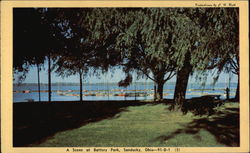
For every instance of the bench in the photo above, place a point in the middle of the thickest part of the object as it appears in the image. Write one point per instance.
(202, 105)
(216, 99)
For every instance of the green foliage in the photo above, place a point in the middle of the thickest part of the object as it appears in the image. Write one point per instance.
(218, 38)
(218, 48)
(154, 42)
(35, 36)
(151, 41)
(28, 38)
(165, 35)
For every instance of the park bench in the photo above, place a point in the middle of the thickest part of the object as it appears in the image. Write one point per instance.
(216, 99)
(202, 105)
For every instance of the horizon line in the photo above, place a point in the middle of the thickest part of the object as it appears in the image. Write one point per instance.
(110, 82)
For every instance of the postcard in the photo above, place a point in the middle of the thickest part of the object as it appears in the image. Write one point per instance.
(124, 76)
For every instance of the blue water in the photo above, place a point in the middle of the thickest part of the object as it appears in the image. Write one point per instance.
(218, 89)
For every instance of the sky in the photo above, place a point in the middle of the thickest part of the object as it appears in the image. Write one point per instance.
(110, 77)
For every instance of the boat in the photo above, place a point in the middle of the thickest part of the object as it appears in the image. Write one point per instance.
(61, 93)
(26, 91)
(137, 94)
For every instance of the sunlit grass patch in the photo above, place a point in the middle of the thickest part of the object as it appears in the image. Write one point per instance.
(140, 126)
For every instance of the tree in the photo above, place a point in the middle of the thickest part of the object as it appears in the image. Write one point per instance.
(72, 65)
(53, 44)
(216, 44)
(79, 53)
(29, 35)
(230, 44)
(157, 42)
(36, 36)
(225, 42)
(148, 39)
(154, 42)
(75, 60)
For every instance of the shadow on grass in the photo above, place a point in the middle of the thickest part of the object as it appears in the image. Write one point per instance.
(223, 125)
(199, 105)
(35, 122)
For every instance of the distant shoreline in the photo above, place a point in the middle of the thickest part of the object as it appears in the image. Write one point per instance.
(110, 83)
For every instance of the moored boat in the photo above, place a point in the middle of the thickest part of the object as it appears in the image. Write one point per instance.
(26, 91)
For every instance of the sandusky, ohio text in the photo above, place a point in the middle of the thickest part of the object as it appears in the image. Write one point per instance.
(117, 149)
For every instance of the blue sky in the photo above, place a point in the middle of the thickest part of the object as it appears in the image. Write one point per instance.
(114, 76)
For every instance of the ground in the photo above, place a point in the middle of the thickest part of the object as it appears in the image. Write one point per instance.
(133, 124)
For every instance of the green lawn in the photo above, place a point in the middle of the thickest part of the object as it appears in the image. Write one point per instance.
(154, 125)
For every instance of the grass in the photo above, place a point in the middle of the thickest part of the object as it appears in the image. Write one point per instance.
(149, 125)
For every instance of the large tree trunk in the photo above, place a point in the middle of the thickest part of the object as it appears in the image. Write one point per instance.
(49, 78)
(237, 95)
(80, 73)
(182, 82)
(38, 82)
(181, 87)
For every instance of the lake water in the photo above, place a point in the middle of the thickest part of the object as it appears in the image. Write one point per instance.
(107, 92)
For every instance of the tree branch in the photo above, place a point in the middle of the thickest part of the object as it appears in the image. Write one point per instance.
(170, 76)
(146, 74)
(234, 64)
